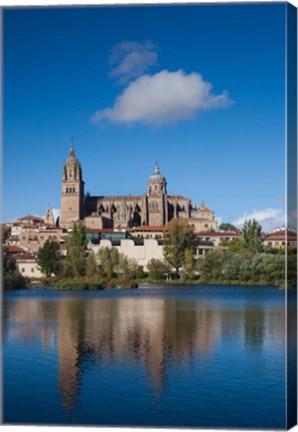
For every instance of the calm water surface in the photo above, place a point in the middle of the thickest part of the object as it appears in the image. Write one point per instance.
(164, 356)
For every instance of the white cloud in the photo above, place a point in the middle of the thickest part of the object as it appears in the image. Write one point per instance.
(163, 98)
(131, 60)
(270, 218)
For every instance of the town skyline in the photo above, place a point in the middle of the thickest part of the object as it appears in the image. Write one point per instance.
(226, 147)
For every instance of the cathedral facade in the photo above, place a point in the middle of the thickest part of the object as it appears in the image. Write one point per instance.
(154, 208)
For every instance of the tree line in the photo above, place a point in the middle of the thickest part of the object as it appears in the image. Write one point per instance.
(241, 261)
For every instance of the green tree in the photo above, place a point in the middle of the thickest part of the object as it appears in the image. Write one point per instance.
(228, 227)
(189, 264)
(180, 236)
(231, 266)
(157, 269)
(234, 245)
(48, 258)
(109, 261)
(91, 267)
(12, 278)
(211, 265)
(252, 236)
(75, 261)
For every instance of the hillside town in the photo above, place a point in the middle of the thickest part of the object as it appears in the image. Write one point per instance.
(135, 226)
(26, 235)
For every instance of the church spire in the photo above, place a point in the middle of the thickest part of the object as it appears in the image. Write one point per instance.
(156, 169)
(72, 151)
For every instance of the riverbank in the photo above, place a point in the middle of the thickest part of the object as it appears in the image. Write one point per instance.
(73, 285)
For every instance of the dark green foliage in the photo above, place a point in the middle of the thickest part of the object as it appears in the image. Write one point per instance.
(77, 236)
(228, 227)
(260, 268)
(91, 266)
(180, 236)
(12, 278)
(157, 269)
(252, 236)
(78, 284)
(74, 265)
(48, 258)
(189, 265)
(234, 245)
(116, 270)
(109, 261)
(139, 272)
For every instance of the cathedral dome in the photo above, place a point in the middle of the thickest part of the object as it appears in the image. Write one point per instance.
(72, 160)
(72, 167)
(156, 174)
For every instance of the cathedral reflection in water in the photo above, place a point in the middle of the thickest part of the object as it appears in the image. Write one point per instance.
(152, 331)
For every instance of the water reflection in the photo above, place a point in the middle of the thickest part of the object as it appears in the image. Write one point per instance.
(154, 332)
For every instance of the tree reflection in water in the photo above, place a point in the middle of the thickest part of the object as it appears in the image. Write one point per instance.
(151, 331)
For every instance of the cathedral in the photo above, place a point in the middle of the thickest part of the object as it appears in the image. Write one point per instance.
(154, 208)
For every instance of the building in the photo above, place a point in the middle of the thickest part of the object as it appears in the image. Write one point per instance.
(154, 208)
(32, 239)
(211, 240)
(31, 232)
(27, 265)
(141, 251)
(281, 238)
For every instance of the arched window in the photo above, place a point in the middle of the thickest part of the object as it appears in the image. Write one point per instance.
(150, 189)
(66, 190)
(156, 188)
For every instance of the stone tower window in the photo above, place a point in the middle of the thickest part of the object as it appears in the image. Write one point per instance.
(66, 190)
(156, 188)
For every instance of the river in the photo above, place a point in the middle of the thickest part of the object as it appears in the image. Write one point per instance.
(192, 356)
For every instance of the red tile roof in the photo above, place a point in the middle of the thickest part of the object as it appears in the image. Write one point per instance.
(33, 218)
(219, 234)
(149, 228)
(101, 230)
(25, 256)
(282, 234)
(13, 249)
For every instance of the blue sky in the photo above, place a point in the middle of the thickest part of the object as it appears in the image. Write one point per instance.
(130, 84)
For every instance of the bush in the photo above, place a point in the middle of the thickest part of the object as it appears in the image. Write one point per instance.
(157, 269)
(12, 278)
(70, 284)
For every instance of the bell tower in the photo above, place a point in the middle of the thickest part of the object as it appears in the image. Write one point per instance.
(72, 196)
(157, 198)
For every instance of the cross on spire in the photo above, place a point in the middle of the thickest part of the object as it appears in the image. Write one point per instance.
(156, 169)
(72, 152)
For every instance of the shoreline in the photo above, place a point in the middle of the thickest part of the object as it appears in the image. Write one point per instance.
(36, 285)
